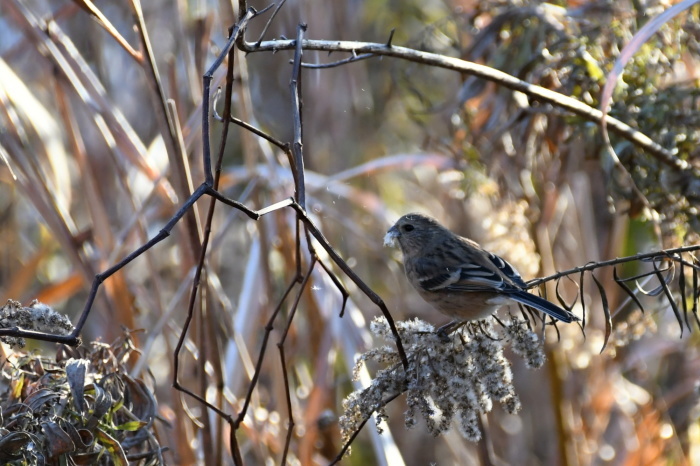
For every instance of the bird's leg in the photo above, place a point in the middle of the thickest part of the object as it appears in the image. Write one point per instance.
(444, 331)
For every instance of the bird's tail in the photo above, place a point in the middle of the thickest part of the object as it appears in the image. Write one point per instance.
(542, 305)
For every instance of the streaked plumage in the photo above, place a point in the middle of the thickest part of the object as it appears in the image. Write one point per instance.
(456, 275)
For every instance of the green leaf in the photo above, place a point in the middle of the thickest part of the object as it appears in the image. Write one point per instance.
(131, 426)
(112, 445)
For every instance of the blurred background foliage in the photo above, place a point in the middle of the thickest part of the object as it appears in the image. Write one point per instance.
(88, 175)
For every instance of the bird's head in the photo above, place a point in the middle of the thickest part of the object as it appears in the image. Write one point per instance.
(413, 232)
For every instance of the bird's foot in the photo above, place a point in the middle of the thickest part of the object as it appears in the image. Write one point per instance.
(444, 332)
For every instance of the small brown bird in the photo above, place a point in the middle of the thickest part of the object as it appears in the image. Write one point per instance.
(456, 275)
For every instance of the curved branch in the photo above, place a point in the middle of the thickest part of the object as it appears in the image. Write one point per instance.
(535, 92)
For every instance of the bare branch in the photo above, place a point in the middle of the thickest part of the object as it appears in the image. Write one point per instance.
(297, 145)
(537, 93)
(354, 58)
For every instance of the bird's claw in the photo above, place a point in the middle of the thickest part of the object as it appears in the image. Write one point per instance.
(444, 332)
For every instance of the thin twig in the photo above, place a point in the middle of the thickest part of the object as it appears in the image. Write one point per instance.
(347, 444)
(369, 292)
(344, 293)
(269, 21)
(280, 347)
(297, 104)
(263, 348)
(206, 91)
(282, 145)
(345, 61)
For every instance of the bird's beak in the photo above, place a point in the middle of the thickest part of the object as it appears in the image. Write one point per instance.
(390, 237)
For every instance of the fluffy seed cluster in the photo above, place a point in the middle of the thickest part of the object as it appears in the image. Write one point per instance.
(37, 316)
(446, 381)
(524, 342)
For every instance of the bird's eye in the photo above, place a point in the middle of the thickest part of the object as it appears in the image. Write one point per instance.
(408, 227)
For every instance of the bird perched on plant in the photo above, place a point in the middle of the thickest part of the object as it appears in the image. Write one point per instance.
(457, 276)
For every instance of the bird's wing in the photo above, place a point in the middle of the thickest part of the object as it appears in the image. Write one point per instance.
(506, 269)
(465, 277)
(468, 269)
